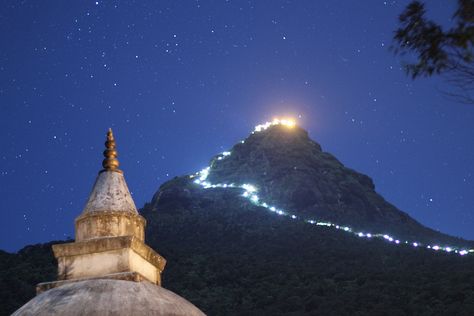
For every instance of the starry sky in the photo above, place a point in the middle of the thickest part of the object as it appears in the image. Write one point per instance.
(180, 81)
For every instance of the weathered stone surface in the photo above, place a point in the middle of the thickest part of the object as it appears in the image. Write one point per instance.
(126, 276)
(110, 193)
(109, 224)
(108, 298)
(103, 256)
(109, 236)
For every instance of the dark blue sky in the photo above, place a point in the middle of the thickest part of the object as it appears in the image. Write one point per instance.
(180, 81)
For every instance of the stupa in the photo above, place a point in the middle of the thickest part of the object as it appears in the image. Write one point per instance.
(108, 269)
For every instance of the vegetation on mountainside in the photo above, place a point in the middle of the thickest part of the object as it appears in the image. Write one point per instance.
(235, 259)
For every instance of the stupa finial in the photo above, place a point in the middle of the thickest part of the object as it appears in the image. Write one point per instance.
(110, 163)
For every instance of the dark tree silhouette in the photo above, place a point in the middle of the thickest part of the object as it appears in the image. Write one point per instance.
(439, 51)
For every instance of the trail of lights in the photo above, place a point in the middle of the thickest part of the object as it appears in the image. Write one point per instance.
(250, 193)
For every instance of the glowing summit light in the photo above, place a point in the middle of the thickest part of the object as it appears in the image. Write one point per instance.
(250, 193)
(285, 122)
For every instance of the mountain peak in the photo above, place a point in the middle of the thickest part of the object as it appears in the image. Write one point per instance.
(279, 135)
(286, 122)
(292, 172)
(280, 168)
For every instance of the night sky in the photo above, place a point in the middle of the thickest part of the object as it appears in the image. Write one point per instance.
(180, 81)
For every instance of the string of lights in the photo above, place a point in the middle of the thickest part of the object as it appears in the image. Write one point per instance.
(250, 192)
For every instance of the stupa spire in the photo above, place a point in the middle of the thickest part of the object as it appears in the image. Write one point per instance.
(110, 234)
(110, 191)
(110, 162)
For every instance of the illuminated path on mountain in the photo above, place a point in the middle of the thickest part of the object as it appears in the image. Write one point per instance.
(250, 192)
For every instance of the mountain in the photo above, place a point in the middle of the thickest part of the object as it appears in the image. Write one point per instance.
(287, 170)
(230, 253)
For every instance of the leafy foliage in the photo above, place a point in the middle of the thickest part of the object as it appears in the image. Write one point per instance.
(19, 274)
(439, 51)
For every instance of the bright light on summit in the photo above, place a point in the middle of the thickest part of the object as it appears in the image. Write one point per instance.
(288, 122)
